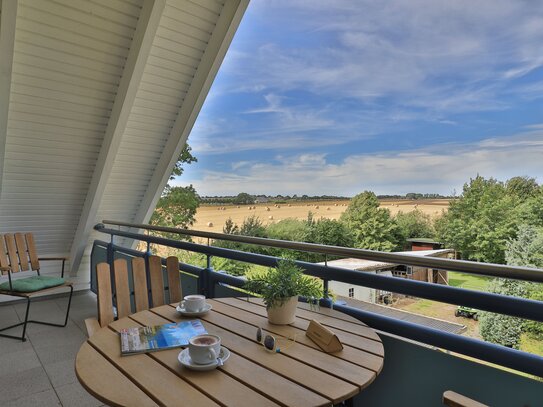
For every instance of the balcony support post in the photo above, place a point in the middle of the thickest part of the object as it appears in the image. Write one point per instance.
(140, 48)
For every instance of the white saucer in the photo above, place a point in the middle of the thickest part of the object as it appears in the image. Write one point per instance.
(185, 360)
(182, 311)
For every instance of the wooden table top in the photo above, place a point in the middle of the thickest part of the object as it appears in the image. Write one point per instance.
(301, 375)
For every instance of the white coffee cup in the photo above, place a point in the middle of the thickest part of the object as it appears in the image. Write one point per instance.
(193, 303)
(204, 349)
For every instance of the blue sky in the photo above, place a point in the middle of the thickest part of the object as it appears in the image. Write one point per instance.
(336, 97)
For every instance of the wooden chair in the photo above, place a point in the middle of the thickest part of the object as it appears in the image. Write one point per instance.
(453, 399)
(120, 295)
(18, 253)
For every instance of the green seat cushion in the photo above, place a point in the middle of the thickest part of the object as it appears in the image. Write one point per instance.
(31, 284)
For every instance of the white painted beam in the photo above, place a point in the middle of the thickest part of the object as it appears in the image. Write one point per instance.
(8, 21)
(144, 35)
(219, 42)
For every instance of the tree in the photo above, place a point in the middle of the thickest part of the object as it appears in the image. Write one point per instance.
(177, 205)
(330, 232)
(243, 199)
(527, 251)
(503, 329)
(530, 212)
(230, 228)
(480, 221)
(176, 208)
(288, 229)
(522, 187)
(185, 157)
(372, 227)
(413, 224)
(252, 226)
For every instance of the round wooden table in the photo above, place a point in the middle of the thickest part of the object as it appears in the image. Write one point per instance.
(301, 375)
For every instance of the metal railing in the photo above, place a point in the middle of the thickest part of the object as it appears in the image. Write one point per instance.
(518, 307)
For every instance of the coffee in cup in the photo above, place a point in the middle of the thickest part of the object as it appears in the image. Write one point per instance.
(193, 303)
(204, 349)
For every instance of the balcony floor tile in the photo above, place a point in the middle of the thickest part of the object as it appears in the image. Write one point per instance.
(40, 371)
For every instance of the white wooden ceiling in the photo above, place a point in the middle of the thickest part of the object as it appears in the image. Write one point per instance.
(97, 98)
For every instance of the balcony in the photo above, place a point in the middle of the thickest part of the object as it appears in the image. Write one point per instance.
(92, 127)
(420, 362)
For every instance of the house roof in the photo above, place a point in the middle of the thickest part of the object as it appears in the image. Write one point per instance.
(96, 102)
(422, 240)
(371, 265)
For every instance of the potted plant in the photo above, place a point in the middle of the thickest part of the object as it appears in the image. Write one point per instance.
(280, 288)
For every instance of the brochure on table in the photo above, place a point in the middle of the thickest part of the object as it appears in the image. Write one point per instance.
(153, 338)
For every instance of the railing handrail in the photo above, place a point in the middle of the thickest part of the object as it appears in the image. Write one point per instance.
(487, 269)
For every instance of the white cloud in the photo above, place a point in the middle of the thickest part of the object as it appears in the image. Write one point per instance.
(440, 168)
(441, 56)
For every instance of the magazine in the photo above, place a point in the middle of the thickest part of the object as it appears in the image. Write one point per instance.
(153, 338)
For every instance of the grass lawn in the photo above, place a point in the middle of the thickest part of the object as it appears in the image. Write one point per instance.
(469, 281)
(530, 344)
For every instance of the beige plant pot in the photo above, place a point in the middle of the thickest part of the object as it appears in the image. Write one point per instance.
(284, 314)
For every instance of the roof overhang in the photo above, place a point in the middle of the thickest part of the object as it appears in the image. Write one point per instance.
(96, 102)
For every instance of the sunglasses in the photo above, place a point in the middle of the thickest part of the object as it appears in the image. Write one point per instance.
(271, 343)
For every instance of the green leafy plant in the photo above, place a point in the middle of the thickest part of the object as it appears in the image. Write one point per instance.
(278, 284)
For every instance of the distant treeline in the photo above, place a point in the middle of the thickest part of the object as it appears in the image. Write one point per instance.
(415, 195)
(245, 198)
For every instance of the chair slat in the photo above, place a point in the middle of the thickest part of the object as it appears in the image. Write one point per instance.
(140, 284)
(32, 253)
(105, 303)
(12, 253)
(3, 254)
(122, 291)
(157, 281)
(174, 279)
(22, 251)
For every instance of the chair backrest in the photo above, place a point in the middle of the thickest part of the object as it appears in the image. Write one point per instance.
(157, 282)
(453, 399)
(18, 252)
(141, 291)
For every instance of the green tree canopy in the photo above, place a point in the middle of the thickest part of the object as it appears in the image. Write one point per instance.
(503, 329)
(243, 198)
(522, 187)
(479, 223)
(177, 205)
(372, 227)
(413, 224)
(253, 226)
(185, 157)
(527, 251)
(330, 232)
(176, 208)
(289, 229)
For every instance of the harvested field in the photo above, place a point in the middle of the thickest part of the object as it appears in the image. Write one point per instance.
(216, 215)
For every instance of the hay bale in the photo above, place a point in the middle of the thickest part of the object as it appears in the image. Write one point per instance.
(289, 205)
(267, 209)
(317, 207)
(270, 217)
(209, 224)
(328, 208)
